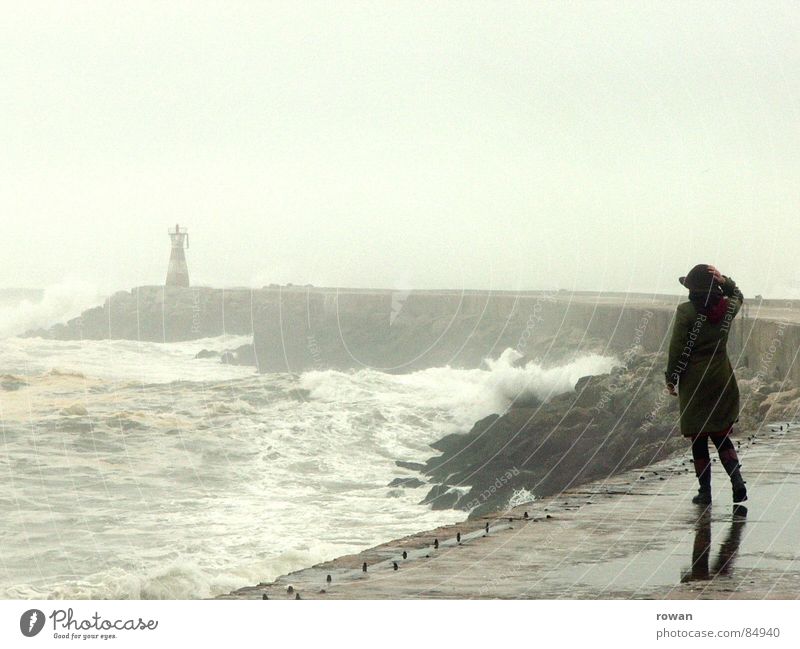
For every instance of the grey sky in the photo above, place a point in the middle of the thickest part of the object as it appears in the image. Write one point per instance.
(605, 146)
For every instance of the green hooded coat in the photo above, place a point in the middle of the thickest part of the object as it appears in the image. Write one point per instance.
(699, 366)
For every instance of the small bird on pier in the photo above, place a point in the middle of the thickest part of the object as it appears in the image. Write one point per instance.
(394, 565)
(435, 544)
(405, 554)
(328, 579)
(364, 567)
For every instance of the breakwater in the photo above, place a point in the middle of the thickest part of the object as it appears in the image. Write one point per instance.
(635, 535)
(296, 329)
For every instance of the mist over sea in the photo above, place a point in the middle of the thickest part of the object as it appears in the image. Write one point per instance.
(135, 470)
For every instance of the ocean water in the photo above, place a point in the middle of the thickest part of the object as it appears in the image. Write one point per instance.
(134, 470)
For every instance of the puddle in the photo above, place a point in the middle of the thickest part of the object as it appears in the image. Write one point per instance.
(712, 545)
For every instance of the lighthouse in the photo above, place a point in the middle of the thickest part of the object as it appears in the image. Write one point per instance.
(178, 272)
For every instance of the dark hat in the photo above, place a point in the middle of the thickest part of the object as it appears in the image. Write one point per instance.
(698, 279)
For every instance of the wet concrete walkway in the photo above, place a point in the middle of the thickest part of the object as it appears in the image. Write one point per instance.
(636, 535)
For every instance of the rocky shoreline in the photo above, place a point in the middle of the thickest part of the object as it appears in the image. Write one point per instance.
(607, 427)
(609, 424)
(614, 435)
(633, 535)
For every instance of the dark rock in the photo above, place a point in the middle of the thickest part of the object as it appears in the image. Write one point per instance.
(441, 497)
(242, 355)
(446, 501)
(410, 483)
(413, 466)
(544, 449)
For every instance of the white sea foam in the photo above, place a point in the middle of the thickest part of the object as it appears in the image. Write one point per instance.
(520, 497)
(59, 302)
(130, 360)
(467, 394)
(207, 477)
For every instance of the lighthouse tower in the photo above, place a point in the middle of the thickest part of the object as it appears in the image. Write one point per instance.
(178, 272)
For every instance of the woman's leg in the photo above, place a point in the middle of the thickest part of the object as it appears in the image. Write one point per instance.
(730, 460)
(702, 462)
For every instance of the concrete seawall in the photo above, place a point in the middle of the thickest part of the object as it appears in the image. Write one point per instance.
(301, 328)
(399, 332)
(161, 314)
(633, 535)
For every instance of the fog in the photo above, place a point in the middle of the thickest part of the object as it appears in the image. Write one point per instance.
(584, 146)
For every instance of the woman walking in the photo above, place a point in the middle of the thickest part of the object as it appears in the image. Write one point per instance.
(699, 367)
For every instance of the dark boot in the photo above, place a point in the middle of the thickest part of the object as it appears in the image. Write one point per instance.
(731, 463)
(703, 496)
(702, 469)
(739, 490)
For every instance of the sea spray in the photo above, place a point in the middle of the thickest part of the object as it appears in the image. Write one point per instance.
(468, 395)
(189, 478)
(124, 360)
(61, 301)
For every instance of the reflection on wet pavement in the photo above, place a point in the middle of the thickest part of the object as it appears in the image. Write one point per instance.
(634, 535)
(701, 553)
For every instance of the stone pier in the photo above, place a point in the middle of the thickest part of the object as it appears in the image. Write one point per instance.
(636, 535)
